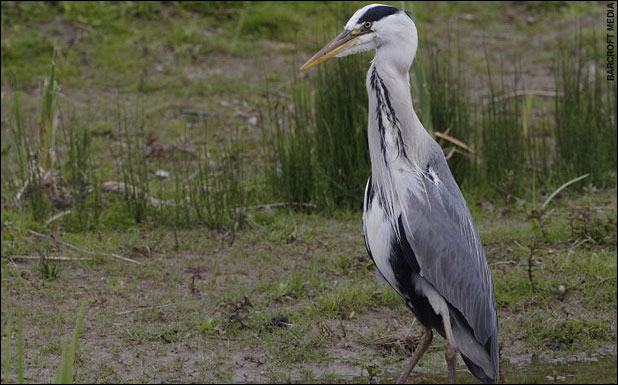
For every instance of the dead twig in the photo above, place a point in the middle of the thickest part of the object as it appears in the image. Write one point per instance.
(283, 204)
(144, 308)
(34, 257)
(520, 93)
(199, 113)
(455, 141)
(448, 152)
(57, 216)
(402, 345)
(505, 263)
(84, 251)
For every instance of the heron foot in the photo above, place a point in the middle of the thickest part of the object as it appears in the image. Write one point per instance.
(451, 362)
(418, 352)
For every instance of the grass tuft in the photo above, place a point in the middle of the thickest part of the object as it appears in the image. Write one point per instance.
(341, 148)
(585, 111)
(6, 354)
(65, 373)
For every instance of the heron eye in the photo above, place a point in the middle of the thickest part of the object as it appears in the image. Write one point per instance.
(367, 25)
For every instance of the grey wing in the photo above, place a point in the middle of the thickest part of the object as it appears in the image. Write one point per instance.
(449, 251)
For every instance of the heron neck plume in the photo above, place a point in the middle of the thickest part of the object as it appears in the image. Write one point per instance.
(398, 142)
(393, 123)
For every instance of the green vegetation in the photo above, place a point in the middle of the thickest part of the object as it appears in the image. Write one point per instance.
(449, 108)
(7, 360)
(288, 139)
(318, 153)
(166, 164)
(585, 111)
(66, 369)
(341, 131)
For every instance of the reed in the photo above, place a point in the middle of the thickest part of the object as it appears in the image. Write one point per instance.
(585, 111)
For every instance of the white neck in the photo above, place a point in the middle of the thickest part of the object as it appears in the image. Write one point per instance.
(399, 145)
(388, 86)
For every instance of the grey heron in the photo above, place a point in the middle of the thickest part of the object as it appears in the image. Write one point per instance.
(418, 229)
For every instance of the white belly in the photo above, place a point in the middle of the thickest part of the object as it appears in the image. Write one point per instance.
(379, 236)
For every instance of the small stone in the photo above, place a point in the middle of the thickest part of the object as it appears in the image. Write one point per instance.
(561, 289)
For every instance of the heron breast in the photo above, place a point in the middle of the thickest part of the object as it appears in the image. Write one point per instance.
(379, 234)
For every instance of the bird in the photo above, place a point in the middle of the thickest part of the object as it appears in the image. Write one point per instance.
(417, 227)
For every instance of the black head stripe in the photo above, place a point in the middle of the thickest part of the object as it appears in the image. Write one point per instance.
(377, 13)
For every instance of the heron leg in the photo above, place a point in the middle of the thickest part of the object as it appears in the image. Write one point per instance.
(451, 361)
(418, 352)
(451, 353)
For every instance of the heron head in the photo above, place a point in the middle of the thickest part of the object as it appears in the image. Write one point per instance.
(371, 27)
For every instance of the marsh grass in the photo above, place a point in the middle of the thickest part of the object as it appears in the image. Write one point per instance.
(65, 373)
(20, 345)
(214, 185)
(133, 163)
(450, 111)
(49, 269)
(19, 134)
(502, 140)
(47, 123)
(55, 164)
(317, 145)
(585, 111)
(30, 175)
(342, 151)
(206, 186)
(83, 177)
(36, 192)
(7, 355)
(288, 137)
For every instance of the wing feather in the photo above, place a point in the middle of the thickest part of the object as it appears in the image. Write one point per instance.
(449, 251)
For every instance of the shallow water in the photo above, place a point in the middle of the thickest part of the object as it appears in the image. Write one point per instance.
(602, 370)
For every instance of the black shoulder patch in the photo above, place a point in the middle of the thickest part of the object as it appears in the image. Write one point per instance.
(377, 13)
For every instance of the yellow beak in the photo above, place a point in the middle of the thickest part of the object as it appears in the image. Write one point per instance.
(345, 40)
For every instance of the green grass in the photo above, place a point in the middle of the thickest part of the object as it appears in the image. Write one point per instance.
(502, 140)
(288, 141)
(341, 131)
(318, 154)
(569, 334)
(20, 345)
(450, 108)
(6, 353)
(65, 373)
(585, 111)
